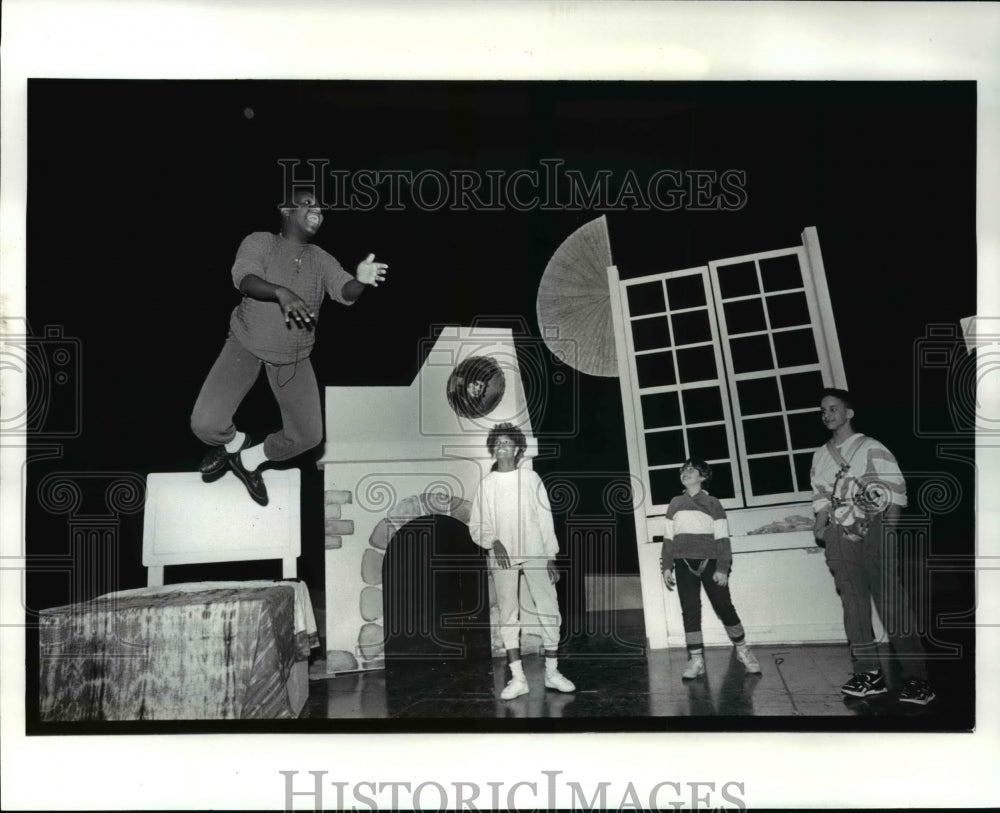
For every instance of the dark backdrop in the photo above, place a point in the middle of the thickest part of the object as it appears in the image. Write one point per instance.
(140, 192)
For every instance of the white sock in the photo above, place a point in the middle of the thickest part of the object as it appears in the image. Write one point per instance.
(517, 669)
(551, 665)
(234, 445)
(253, 457)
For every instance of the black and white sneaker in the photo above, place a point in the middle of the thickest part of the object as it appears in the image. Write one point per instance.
(865, 684)
(916, 691)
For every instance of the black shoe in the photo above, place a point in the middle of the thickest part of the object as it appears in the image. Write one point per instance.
(251, 479)
(217, 457)
(865, 684)
(916, 691)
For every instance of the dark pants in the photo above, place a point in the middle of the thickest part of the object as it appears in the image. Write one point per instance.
(868, 571)
(689, 588)
(230, 379)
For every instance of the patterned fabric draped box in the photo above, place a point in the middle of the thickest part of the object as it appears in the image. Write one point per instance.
(211, 650)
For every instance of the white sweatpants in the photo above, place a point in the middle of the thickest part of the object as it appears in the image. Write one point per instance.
(545, 621)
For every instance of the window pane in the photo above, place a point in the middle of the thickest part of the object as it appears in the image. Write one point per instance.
(788, 310)
(648, 334)
(803, 462)
(665, 448)
(763, 309)
(795, 347)
(685, 292)
(738, 280)
(702, 405)
(745, 316)
(781, 273)
(765, 435)
(697, 364)
(806, 430)
(655, 370)
(708, 442)
(661, 409)
(646, 298)
(802, 390)
(758, 395)
(721, 486)
(751, 354)
(770, 475)
(664, 485)
(691, 327)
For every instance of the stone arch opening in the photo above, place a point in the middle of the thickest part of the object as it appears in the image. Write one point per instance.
(435, 596)
(436, 617)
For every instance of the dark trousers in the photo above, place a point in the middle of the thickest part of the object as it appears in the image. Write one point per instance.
(868, 571)
(689, 586)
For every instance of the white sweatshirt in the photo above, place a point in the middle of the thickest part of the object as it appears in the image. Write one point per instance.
(513, 506)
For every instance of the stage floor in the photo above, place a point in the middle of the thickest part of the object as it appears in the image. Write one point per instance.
(620, 685)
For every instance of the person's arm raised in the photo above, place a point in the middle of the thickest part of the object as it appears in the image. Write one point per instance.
(368, 272)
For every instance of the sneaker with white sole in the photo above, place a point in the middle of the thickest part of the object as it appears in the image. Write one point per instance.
(748, 659)
(865, 684)
(695, 668)
(557, 680)
(515, 687)
(916, 691)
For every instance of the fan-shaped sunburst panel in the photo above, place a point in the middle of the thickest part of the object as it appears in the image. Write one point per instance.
(574, 303)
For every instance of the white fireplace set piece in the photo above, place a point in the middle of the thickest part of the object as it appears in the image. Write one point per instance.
(394, 454)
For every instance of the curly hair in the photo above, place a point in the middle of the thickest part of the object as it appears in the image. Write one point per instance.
(511, 431)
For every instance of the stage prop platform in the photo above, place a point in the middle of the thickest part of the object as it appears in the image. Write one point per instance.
(192, 651)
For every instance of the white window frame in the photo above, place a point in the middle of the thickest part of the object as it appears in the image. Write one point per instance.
(721, 382)
(829, 364)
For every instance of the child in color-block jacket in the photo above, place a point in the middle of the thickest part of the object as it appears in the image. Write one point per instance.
(697, 554)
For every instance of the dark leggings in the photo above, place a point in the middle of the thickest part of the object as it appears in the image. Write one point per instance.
(689, 591)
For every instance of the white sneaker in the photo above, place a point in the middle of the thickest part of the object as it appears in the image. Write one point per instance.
(557, 680)
(695, 668)
(746, 657)
(515, 687)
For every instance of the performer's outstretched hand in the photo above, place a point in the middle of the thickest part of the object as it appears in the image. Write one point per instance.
(370, 272)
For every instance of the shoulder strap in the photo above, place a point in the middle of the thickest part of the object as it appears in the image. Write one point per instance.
(842, 472)
(835, 453)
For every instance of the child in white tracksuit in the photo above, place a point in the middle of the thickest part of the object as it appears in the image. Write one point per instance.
(511, 518)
